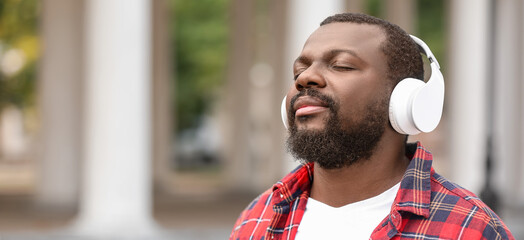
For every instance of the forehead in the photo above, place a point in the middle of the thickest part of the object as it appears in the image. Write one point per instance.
(363, 39)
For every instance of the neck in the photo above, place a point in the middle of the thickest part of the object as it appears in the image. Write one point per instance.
(364, 179)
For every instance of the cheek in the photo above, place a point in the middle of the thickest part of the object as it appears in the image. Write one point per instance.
(355, 107)
(352, 99)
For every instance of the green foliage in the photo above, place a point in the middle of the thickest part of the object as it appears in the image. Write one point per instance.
(20, 90)
(374, 7)
(18, 30)
(200, 39)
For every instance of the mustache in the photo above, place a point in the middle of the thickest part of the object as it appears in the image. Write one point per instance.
(330, 102)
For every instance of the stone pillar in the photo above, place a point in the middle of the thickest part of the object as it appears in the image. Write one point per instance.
(116, 193)
(234, 117)
(401, 12)
(466, 91)
(509, 113)
(161, 100)
(508, 101)
(266, 90)
(59, 91)
(281, 77)
(520, 163)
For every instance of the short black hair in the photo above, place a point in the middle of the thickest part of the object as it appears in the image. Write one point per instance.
(402, 53)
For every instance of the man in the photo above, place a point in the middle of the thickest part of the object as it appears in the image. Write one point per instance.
(359, 179)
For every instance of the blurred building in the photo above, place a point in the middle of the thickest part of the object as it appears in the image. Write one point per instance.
(102, 159)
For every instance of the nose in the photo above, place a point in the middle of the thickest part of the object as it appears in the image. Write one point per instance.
(311, 77)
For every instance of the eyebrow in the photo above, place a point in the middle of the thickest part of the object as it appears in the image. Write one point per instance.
(335, 52)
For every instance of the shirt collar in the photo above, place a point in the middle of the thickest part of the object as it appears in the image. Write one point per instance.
(413, 196)
(293, 185)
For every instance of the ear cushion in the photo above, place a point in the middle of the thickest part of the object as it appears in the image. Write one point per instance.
(400, 105)
(283, 112)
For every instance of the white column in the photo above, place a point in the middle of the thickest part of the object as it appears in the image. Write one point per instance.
(507, 112)
(116, 194)
(59, 91)
(304, 17)
(520, 183)
(518, 231)
(466, 89)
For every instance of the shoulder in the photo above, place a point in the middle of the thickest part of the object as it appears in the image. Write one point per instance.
(462, 210)
(255, 217)
(254, 221)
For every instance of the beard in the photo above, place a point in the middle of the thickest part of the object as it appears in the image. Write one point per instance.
(343, 142)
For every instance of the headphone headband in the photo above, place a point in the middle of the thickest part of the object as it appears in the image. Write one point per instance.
(427, 51)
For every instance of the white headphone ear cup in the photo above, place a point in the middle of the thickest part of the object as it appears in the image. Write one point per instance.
(283, 112)
(428, 103)
(400, 106)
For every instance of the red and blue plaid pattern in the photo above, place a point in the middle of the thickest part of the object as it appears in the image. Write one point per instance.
(427, 206)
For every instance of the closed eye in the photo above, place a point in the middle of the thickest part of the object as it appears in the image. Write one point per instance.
(344, 68)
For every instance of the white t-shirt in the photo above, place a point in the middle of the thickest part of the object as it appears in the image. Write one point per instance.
(353, 221)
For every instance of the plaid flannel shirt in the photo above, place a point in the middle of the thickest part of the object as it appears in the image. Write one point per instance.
(427, 206)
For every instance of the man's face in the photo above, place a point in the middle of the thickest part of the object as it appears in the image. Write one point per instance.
(338, 106)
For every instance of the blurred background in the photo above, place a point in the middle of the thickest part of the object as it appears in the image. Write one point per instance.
(161, 118)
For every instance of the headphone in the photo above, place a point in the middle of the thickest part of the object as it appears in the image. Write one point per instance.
(415, 106)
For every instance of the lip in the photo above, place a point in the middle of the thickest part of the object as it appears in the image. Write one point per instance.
(305, 106)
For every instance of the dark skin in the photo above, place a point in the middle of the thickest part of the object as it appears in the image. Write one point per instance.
(345, 61)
